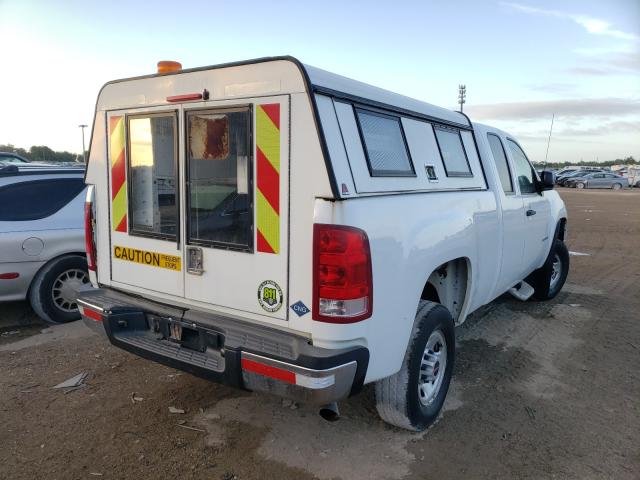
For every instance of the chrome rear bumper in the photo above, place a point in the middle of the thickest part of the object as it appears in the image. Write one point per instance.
(226, 350)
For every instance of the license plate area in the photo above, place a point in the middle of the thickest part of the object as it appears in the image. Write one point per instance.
(187, 335)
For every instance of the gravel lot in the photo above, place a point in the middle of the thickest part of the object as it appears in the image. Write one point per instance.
(541, 390)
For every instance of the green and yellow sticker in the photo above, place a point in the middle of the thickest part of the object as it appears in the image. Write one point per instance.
(144, 257)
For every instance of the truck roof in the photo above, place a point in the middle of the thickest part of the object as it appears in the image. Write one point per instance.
(338, 86)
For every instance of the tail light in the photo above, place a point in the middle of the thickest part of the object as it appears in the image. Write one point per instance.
(342, 279)
(89, 238)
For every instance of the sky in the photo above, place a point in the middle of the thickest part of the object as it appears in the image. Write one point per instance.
(521, 61)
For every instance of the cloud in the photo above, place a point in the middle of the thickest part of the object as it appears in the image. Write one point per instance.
(554, 87)
(604, 129)
(590, 71)
(590, 107)
(567, 132)
(609, 63)
(594, 26)
(625, 61)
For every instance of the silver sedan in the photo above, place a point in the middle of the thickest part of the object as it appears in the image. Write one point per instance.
(42, 251)
(598, 180)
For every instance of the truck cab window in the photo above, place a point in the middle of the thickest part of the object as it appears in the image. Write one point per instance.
(152, 175)
(497, 149)
(219, 200)
(524, 170)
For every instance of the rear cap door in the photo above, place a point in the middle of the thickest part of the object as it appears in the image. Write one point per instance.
(144, 200)
(236, 205)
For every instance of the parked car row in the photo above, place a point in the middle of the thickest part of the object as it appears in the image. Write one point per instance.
(563, 175)
(592, 177)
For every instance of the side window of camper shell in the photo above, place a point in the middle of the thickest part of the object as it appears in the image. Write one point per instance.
(452, 152)
(385, 145)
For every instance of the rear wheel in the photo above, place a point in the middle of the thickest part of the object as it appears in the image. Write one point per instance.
(549, 279)
(52, 293)
(413, 397)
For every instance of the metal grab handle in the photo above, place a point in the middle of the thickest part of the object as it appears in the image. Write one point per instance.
(194, 260)
(531, 213)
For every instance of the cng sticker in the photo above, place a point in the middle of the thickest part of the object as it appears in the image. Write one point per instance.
(144, 257)
(270, 296)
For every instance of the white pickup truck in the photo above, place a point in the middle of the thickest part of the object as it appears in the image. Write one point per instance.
(279, 228)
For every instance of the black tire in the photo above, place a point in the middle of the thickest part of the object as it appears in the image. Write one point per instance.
(397, 397)
(41, 292)
(541, 279)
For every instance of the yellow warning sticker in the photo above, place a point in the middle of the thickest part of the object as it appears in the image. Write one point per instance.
(153, 259)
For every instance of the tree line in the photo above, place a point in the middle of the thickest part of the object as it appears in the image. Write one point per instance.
(42, 153)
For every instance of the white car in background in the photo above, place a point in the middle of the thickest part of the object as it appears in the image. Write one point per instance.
(42, 252)
(10, 158)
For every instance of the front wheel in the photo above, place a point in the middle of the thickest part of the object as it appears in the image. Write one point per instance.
(549, 279)
(413, 397)
(616, 186)
(580, 185)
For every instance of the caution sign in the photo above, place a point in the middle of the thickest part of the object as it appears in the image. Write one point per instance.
(153, 259)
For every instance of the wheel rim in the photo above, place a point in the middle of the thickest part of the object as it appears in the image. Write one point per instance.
(580, 185)
(556, 272)
(432, 368)
(616, 186)
(64, 288)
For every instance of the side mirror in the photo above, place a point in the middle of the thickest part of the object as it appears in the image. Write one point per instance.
(547, 180)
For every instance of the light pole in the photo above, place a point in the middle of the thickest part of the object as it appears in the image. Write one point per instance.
(84, 157)
(462, 95)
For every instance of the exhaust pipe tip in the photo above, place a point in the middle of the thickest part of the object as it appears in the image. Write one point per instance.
(330, 412)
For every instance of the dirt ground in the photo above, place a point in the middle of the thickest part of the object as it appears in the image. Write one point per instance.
(541, 390)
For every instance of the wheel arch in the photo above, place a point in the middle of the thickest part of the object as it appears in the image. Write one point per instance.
(561, 229)
(449, 285)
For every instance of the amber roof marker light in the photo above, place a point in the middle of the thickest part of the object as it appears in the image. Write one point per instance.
(168, 66)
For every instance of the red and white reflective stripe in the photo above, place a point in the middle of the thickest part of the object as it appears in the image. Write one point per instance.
(89, 313)
(288, 376)
(269, 371)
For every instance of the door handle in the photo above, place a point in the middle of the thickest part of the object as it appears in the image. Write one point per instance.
(194, 260)
(531, 212)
